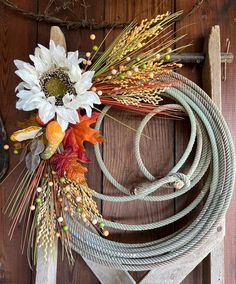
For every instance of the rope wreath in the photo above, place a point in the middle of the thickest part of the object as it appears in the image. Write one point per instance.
(214, 157)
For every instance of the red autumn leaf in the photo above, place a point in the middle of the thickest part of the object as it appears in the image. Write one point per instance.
(69, 142)
(68, 163)
(81, 132)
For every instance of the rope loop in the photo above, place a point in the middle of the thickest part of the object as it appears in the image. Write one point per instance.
(214, 158)
(182, 180)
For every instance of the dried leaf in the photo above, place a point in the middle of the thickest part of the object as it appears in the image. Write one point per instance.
(32, 161)
(37, 147)
(23, 153)
(68, 163)
(83, 132)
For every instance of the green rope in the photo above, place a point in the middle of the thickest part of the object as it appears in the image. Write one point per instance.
(214, 158)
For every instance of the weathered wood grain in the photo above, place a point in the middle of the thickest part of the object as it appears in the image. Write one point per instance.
(119, 147)
(17, 37)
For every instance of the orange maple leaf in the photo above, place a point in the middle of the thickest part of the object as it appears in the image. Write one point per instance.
(74, 170)
(83, 132)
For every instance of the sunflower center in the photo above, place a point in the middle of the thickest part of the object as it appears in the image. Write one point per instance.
(55, 87)
(56, 83)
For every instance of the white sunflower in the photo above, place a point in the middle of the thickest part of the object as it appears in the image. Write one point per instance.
(55, 85)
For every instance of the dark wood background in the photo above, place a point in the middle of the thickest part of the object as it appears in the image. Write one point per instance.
(18, 38)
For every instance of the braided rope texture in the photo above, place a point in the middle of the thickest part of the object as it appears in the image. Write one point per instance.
(214, 157)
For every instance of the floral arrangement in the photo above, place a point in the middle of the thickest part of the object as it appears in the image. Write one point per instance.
(61, 91)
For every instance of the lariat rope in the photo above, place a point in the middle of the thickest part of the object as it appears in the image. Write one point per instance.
(214, 159)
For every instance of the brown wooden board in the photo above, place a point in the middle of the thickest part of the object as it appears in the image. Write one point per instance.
(119, 147)
(18, 38)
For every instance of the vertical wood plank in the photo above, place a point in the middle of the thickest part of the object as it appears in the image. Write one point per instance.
(208, 14)
(18, 37)
(182, 128)
(119, 152)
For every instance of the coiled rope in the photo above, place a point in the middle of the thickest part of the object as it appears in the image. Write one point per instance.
(214, 157)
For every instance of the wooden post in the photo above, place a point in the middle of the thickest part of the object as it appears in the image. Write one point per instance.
(212, 85)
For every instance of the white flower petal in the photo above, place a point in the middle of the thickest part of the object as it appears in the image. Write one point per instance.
(46, 111)
(63, 123)
(85, 82)
(88, 98)
(19, 63)
(88, 110)
(30, 79)
(69, 101)
(73, 58)
(20, 104)
(69, 115)
(20, 86)
(75, 73)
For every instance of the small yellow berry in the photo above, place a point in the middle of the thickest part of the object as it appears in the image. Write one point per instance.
(106, 233)
(135, 68)
(168, 49)
(128, 59)
(68, 196)
(38, 200)
(78, 199)
(15, 151)
(62, 179)
(32, 207)
(89, 62)
(158, 56)
(121, 76)
(67, 188)
(113, 71)
(84, 62)
(50, 183)
(140, 45)
(58, 234)
(60, 219)
(94, 89)
(83, 215)
(95, 48)
(129, 73)
(151, 75)
(167, 57)
(99, 92)
(92, 36)
(101, 224)
(65, 228)
(88, 54)
(6, 147)
(39, 189)
(109, 77)
(60, 200)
